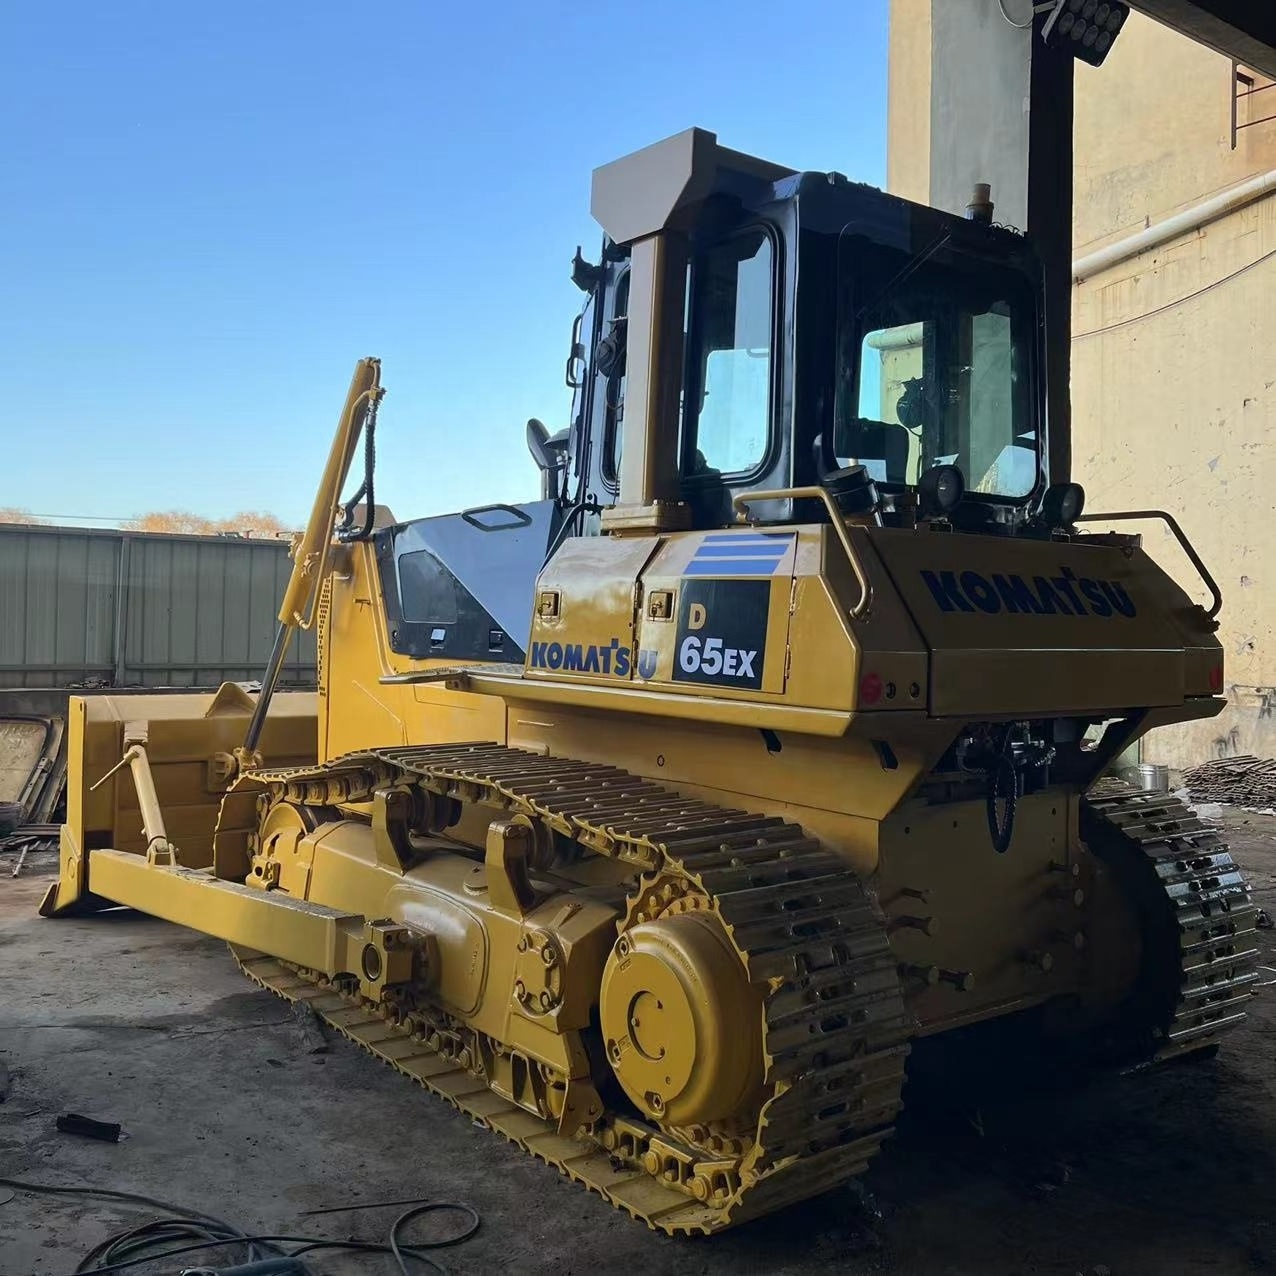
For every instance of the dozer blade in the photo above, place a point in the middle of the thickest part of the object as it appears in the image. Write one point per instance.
(188, 740)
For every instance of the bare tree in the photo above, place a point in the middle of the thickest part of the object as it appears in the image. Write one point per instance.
(249, 523)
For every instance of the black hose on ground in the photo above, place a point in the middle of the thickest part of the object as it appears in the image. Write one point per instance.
(187, 1231)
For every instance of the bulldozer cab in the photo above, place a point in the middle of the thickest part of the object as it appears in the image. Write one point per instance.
(749, 329)
(802, 324)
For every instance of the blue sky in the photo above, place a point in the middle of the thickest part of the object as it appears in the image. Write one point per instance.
(211, 211)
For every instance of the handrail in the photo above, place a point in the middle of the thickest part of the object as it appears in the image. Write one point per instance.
(1180, 536)
(860, 610)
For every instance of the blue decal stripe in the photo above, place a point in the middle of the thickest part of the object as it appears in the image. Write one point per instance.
(731, 567)
(741, 551)
(747, 538)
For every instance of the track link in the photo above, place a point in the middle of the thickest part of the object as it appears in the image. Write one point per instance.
(1199, 959)
(835, 1034)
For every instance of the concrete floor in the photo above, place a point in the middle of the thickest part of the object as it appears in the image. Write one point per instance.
(127, 1019)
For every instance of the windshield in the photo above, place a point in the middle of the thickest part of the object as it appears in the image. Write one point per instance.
(936, 368)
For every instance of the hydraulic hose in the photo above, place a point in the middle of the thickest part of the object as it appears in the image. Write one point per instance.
(346, 531)
(1003, 787)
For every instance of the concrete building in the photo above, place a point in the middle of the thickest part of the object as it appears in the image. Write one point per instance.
(1174, 300)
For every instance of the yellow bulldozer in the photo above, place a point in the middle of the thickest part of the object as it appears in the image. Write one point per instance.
(651, 821)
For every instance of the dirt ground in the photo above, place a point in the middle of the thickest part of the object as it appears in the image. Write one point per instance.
(128, 1019)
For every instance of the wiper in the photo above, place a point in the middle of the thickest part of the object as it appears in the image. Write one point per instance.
(911, 268)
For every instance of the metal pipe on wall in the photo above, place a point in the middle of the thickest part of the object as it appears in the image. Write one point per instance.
(1172, 227)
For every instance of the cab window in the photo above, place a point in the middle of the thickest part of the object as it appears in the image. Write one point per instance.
(614, 392)
(938, 369)
(727, 403)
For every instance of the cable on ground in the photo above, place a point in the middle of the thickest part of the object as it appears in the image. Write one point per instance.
(187, 1231)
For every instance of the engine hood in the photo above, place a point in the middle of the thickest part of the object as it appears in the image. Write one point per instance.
(1044, 627)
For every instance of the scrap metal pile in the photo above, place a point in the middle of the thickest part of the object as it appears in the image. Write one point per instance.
(1241, 781)
(32, 785)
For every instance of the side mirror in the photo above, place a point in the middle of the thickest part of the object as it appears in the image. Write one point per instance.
(585, 275)
(550, 454)
(538, 444)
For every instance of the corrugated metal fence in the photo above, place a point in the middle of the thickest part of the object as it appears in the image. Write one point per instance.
(138, 609)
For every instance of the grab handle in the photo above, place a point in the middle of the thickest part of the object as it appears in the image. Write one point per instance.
(520, 517)
(1180, 536)
(860, 610)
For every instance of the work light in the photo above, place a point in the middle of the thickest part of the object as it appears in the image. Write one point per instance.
(1085, 27)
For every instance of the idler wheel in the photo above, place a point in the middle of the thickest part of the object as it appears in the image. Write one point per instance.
(682, 1022)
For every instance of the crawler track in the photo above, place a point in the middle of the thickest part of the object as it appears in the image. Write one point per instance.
(804, 927)
(1199, 956)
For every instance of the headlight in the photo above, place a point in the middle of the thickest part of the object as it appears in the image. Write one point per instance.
(940, 489)
(1062, 504)
(852, 490)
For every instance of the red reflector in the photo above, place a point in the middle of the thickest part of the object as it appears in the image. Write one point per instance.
(1216, 678)
(870, 688)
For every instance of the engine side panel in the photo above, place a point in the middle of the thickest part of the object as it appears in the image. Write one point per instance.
(1022, 626)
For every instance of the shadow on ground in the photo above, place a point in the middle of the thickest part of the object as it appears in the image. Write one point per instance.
(996, 1167)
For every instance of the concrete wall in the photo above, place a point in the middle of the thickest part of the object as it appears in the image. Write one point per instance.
(958, 95)
(908, 105)
(1174, 351)
(1174, 371)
